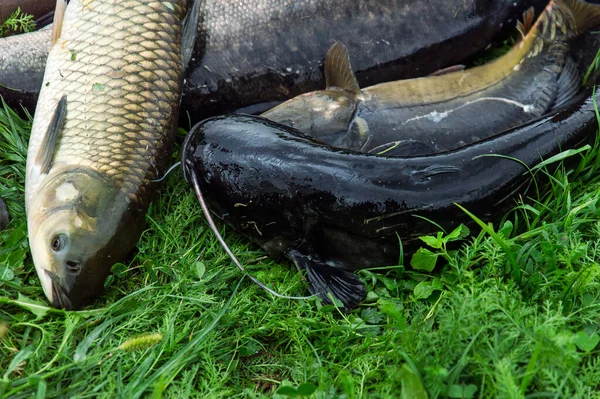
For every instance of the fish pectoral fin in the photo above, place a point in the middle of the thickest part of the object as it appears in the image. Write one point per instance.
(325, 279)
(338, 70)
(525, 26)
(48, 145)
(189, 32)
(568, 84)
(358, 136)
(59, 16)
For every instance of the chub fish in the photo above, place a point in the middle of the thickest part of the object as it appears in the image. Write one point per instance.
(440, 113)
(103, 128)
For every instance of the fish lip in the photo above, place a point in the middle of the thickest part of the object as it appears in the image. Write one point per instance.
(60, 300)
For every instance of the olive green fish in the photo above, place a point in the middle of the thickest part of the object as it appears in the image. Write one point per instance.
(439, 113)
(103, 128)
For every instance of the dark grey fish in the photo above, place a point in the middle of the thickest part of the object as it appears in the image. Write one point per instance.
(440, 113)
(251, 52)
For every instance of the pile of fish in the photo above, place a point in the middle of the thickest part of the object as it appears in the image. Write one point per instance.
(329, 179)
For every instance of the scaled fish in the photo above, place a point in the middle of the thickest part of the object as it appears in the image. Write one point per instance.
(251, 52)
(103, 128)
(440, 113)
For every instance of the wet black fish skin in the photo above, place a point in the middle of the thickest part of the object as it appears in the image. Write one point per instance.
(287, 192)
(247, 54)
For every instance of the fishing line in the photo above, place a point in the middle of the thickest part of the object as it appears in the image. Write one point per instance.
(166, 173)
(213, 227)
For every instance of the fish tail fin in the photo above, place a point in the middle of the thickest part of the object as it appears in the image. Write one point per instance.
(585, 15)
(525, 26)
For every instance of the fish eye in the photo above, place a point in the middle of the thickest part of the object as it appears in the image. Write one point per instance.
(58, 242)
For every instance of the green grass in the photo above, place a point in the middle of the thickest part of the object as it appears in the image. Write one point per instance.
(515, 313)
(511, 315)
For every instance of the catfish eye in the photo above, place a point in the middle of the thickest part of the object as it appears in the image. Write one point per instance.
(58, 242)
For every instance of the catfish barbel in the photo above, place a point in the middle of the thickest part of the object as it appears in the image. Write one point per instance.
(250, 52)
(103, 128)
(334, 211)
(440, 113)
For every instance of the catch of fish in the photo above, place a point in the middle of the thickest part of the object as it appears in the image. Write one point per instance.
(328, 179)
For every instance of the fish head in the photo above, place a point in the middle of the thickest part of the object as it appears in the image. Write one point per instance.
(318, 113)
(70, 235)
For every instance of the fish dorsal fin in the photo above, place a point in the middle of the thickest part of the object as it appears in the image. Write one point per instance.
(48, 145)
(585, 15)
(59, 15)
(338, 71)
(525, 26)
(190, 31)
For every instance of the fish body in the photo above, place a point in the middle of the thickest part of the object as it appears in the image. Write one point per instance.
(22, 64)
(252, 52)
(440, 113)
(334, 211)
(103, 128)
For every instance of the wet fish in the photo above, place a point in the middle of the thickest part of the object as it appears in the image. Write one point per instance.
(440, 113)
(4, 216)
(103, 128)
(335, 211)
(22, 62)
(256, 52)
(252, 52)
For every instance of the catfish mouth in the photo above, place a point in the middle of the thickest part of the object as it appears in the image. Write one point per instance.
(60, 299)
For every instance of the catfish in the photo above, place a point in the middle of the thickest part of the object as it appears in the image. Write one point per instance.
(253, 54)
(439, 113)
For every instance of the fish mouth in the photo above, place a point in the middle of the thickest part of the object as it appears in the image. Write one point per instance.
(60, 300)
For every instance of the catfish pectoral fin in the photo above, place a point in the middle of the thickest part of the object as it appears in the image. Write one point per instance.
(568, 85)
(325, 279)
(358, 135)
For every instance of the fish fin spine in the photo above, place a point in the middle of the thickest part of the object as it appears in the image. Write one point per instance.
(338, 70)
(59, 16)
(47, 148)
(585, 15)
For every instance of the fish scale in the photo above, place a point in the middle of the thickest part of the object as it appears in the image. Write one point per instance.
(103, 129)
(110, 117)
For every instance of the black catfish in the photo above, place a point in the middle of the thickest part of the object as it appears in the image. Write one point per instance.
(334, 211)
(438, 113)
(250, 52)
